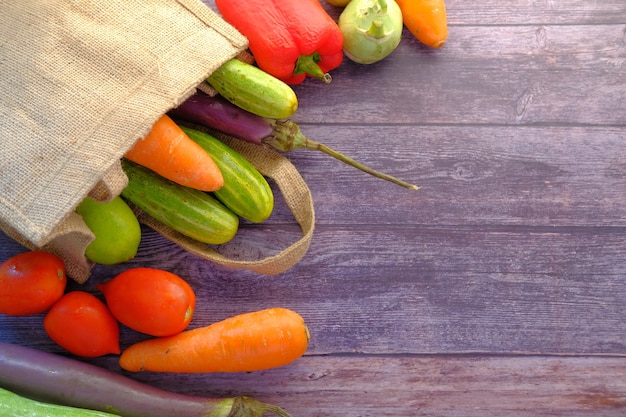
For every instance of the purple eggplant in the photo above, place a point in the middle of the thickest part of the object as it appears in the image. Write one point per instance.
(62, 380)
(282, 134)
(219, 114)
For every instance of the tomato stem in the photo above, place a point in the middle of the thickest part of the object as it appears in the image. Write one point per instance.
(287, 136)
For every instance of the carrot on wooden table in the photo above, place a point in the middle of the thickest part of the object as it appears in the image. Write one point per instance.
(168, 151)
(426, 20)
(247, 342)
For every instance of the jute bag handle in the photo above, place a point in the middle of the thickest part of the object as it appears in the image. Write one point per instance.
(295, 192)
(81, 82)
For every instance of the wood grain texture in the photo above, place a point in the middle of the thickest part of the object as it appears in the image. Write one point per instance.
(569, 74)
(498, 287)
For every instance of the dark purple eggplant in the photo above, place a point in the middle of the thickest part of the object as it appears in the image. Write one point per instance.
(220, 114)
(62, 380)
(281, 134)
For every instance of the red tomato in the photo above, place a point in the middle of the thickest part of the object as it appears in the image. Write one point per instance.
(31, 282)
(83, 325)
(151, 301)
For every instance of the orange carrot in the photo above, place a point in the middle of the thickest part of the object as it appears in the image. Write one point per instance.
(426, 20)
(247, 342)
(168, 151)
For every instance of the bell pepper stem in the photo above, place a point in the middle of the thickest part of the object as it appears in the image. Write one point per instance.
(287, 136)
(307, 64)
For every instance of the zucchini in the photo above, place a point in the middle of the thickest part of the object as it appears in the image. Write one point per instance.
(245, 191)
(14, 405)
(254, 90)
(191, 212)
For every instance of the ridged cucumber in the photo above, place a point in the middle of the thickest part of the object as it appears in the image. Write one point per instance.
(254, 90)
(193, 213)
(245, 191)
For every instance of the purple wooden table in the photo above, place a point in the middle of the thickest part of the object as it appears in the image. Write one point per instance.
(496, 289)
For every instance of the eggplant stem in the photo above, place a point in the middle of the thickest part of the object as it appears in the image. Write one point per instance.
(287, 136)
(249, 407)
(311, 144)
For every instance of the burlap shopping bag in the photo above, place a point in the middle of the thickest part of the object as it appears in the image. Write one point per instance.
(81, 81)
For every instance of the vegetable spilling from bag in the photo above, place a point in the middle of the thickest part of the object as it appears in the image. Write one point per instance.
(284, 135)
(289, 39)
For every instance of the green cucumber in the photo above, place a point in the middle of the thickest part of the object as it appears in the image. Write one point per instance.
(254, 90)
(14, 405)
(193, 213)
(245, 191)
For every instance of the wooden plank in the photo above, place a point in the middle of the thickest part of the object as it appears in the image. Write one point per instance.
(509, 75)
(456, 386)
(481, 175)
(451, 290)
(409, 290)
(511, 12)
(419, 290)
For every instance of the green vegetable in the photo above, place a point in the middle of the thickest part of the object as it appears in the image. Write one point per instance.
(116, 229)
(190, 212)
(245, 191)
(254, 90)
(371, 29)
(13, 405)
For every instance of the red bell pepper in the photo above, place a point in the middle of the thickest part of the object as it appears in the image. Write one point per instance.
(289, 39)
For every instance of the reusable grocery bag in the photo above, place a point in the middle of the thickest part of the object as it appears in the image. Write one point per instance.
(81, 81)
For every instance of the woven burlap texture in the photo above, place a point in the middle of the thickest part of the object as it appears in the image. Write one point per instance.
(81, 82)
